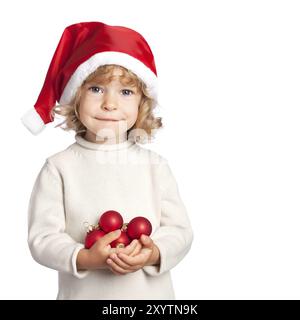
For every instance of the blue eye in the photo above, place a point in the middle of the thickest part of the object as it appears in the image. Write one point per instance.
(97, 89)
(127, 90)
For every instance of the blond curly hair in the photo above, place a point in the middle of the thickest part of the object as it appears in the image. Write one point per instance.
(146, 121)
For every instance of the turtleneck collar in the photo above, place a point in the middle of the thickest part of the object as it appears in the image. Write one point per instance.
(102, 147)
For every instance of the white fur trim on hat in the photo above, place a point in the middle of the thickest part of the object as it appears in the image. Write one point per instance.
(108, 57)
(32, 121)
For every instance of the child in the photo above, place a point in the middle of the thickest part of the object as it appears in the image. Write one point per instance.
(104, 79)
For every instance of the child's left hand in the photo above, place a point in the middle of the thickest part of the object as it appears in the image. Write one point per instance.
(121, 263)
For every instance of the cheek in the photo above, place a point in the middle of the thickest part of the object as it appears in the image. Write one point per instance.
(85, 115)
(82, 115)
(132, 115)
(134, 110)
(88, 104)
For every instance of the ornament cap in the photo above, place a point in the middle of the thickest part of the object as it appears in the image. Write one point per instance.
(90, 227)
(124, 227)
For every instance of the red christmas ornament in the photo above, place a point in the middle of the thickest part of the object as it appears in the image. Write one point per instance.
(110, 220)
(138, 226)
(92, 236)
(122, 241)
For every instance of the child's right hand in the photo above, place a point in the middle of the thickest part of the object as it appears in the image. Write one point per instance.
(96, 256)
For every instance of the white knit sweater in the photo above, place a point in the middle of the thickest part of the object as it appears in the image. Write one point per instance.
(81, 182)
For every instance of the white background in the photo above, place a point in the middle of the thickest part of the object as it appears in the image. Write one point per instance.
(229, 75)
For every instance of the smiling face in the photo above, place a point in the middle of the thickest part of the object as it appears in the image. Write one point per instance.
(109, 110)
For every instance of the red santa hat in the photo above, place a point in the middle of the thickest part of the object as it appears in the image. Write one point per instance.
(84, 47)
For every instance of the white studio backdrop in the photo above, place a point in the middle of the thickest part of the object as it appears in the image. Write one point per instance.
(229, 75)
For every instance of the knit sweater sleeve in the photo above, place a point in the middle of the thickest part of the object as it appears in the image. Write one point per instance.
(174, 236)
(48, 242)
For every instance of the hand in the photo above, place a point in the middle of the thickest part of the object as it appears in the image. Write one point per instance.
(121, 263)
(133, 249)
(96, 256)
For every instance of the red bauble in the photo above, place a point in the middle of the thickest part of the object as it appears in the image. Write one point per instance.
(92, 236)
(122, 241)
(110, 220)
(138, 226)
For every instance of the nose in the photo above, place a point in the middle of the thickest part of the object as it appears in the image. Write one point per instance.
(109, 102)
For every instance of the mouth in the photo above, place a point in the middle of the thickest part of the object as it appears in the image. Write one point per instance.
(107, 119)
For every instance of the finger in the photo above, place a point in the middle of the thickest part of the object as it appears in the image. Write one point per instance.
(136, 250)
(108, 265)
(116, 268)
(111, 236)
(146, 241)
(115, 272)
(119, 262)
(133, 261)
(128, 249)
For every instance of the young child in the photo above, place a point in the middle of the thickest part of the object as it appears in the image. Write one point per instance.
(104, 79)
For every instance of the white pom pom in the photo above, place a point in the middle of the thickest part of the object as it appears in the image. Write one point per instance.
(33, 122)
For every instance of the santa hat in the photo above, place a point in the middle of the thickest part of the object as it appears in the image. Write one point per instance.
(84, 47)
